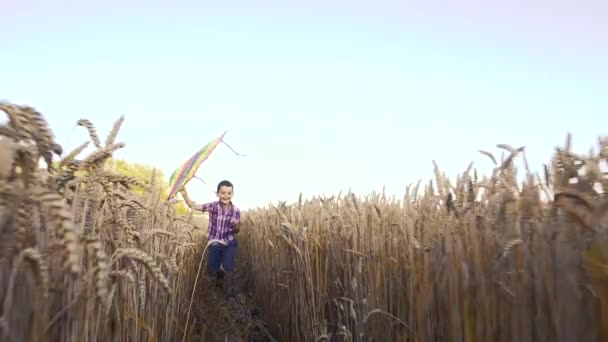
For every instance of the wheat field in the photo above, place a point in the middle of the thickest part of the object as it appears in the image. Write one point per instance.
(480, 258)
(82, 257)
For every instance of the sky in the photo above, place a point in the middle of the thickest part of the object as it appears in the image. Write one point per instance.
(321, 96)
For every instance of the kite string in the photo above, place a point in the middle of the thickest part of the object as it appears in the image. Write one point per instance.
(206, 185)
(200, 179)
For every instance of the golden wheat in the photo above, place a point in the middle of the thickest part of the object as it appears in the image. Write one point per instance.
(66, 221)
(472, 260)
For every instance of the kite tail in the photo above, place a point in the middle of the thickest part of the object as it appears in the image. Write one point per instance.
(235, 152)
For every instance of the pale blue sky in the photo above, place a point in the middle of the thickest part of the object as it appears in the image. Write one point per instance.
(322, 97)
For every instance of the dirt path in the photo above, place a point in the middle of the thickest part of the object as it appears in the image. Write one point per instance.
(219, 317)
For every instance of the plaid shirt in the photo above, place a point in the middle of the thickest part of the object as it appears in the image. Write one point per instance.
(222, 221)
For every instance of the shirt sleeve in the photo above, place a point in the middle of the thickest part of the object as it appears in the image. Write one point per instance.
(236, 218)
(206, 206)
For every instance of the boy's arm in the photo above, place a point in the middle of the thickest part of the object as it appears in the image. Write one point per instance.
(236, 222)
(192, 204)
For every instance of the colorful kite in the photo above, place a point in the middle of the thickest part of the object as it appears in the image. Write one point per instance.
(185, 173)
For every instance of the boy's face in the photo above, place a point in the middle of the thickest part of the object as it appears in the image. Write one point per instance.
(225, 194)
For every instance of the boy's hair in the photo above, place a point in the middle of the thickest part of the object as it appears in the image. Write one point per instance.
(224, 183)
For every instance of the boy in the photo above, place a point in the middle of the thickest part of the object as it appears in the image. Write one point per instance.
(224, 224)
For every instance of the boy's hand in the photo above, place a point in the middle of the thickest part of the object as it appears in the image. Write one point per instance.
(236, 228)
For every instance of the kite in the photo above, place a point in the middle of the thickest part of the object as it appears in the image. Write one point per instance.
(185, 173)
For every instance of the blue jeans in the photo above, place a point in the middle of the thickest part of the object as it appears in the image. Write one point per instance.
(220, 255)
